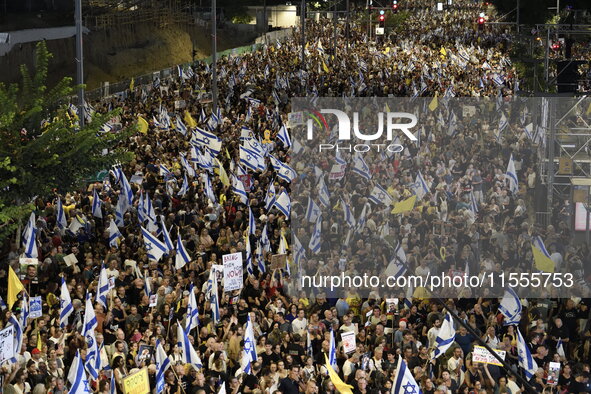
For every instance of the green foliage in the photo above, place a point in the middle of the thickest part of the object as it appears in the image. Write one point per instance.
(244, 18)
(42, 147)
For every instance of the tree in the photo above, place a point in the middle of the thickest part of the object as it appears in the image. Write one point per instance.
(41, 146)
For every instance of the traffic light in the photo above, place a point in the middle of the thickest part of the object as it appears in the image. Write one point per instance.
(381, 18)
(395, 6)
(481, 21)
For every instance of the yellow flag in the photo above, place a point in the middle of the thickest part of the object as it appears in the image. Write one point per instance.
(443, 51)
(142, 125)
(543, 263)
(131, 84)
(434, 103)
(325, 67)
(221, 171)
(387, 108)
(341, 386)
(228, 154)
(405, 205)
(39, 343)
(189, 120)
(15, 286)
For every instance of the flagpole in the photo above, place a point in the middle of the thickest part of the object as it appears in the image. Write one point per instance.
(524, 382)
(214, 78)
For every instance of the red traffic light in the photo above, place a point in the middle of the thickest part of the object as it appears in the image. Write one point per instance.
(481, 21)
(381, 18)
(394, 7)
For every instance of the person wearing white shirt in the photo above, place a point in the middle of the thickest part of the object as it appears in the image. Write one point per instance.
(300, 324)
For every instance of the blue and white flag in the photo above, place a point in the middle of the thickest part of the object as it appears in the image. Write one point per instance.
(420, 187)
(249, 354)
(162, 364)
(77, 376)
(249, 158)
(332, 351)
(379, 195)
(312, 211)
(265, 242)
(26, 307)
(560, 348)
(215, 299)
(445, 338)
(180, 126)
(270, 196)
(510, 307)
(207, 187)
(511, 175)
(187, 166)
(258, 253)
(192, 311)
(251, 222)
(283, 204)
(539, 244)
(208, 140)
(283, 136)
(239, 190)
(404, 382)
(185, 186)
(323, 193)
(361, 220)
(503, 122)
(126, 190)
(188, 353)
(248, 252)
(90, 323)
(182, 257)
(166, 235)
(398, 265)
(61, 221)
(164, 171)
(96, 205)
(361, 168)
(31, 243)
(526, 361)
(349, 218)
(114, 234)
(30, 225)
(66, 307)
(18, 335)
(154, 247)
(102, 287)
(316, 238)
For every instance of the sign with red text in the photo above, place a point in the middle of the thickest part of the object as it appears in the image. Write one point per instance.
(232, 271)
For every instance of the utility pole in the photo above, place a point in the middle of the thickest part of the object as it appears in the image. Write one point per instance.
(334, 18)
(214, 76)
(347, 27)
(303, 27)
(79, 61)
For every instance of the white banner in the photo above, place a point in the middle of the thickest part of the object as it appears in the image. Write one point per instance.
(349, 344)
(481, 355)
(337, 172)
(232, 271)
(6, 344)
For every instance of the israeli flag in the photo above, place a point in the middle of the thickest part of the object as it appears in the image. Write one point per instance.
(445, 338)
(315, 239)
(114, 234)
(61, 221)
(511, 175)
(31, 243)
(188, 167)
(25, 313)
(249, 158)
(283, 136)
(3, 305)
(102, 287)
(323, 194)
(404, 382)
(361, 168)
(180, 126)
(192, 311)
(18, 335)
(185, 186)
(397, 266)
(77, 377)
(248, 251)
(66, 307)
(265, 242)
(207, 139)
(162, 364)
(287, 173)
(188, 353)
(332, 351)
(182, 257)
(379, 195)
(258, 252)
(510, 307)
(362, 220)
(167, 240)
(125, 186)
(270, 196)
(503, 122)
(349, 218)
(560, 348)
(30, 225)
(250, 354)
(283, 204)
(90, 323)
(539, 243)
(120, 211)
(208, 188)
(251, 222)
(238, 189)
(312, 211)
(420, 187)
(164, 171)
(154, 247)
(526, 361)
(96, 205)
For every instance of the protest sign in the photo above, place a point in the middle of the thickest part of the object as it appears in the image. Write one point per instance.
(232, 271)
(6, 344)
(138, 383)
(481, 355)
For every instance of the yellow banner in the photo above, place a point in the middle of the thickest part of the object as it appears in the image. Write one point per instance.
(138, 383)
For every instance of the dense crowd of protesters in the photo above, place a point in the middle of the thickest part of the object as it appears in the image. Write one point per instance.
(444, 55)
